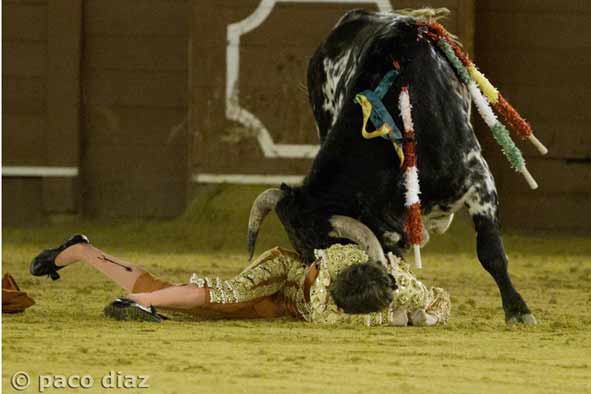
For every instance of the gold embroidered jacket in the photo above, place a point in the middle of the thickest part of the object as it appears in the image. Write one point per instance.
(280, 273)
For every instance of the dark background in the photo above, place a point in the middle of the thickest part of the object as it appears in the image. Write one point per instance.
(131, 93)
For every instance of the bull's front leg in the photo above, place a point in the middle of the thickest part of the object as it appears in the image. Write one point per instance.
(491, 253)
(482, 204)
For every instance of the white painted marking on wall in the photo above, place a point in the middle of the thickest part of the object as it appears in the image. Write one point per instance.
(233, 109)
(250, 179)
(41, 172)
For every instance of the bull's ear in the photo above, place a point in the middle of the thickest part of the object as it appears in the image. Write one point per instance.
(285, 188)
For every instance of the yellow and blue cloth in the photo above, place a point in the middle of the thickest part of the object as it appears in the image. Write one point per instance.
(374, 109)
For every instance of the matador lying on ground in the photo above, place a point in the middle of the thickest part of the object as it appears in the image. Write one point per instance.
(340, 287)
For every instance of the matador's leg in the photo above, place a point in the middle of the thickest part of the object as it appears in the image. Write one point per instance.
(252, 293)
(119, 271)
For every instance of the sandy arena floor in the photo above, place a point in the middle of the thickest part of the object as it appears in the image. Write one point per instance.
(66, 334)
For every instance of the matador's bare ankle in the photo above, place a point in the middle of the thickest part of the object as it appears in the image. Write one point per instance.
(140, 298)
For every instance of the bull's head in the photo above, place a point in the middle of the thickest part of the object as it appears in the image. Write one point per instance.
(307, 229)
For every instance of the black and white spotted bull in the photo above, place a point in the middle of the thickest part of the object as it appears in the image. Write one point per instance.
(355, 189)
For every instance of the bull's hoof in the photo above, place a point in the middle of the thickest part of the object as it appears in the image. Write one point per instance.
(527, 319)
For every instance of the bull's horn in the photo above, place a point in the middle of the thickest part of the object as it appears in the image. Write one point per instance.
(263, 204)
(353, 230)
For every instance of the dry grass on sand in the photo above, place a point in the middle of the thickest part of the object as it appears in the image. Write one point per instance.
(65, 332)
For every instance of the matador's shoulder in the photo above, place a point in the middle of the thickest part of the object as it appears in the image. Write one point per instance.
(271, 254)
(279, 251)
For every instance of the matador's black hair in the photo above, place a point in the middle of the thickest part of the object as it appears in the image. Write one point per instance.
(363, 288)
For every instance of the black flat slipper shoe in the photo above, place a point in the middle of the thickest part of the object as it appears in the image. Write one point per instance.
(44, 263)
(126, 309)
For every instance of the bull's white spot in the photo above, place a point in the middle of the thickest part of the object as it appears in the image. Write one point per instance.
(335, 70)
(481, 190)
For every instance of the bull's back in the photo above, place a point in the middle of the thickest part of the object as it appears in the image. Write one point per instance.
(334, 63)
(440, 110)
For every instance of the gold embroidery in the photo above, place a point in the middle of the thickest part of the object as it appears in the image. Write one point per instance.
(274, 271)
(411, 294)
(280, 272)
